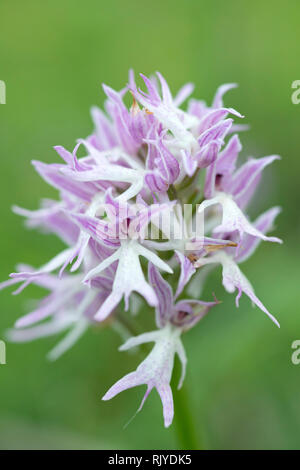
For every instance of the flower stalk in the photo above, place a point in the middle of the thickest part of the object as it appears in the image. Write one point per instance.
(188, 433)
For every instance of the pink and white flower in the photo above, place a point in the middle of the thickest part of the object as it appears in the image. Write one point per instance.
(121, 216)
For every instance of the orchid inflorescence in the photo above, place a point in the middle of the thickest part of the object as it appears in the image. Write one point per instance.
(156, 197)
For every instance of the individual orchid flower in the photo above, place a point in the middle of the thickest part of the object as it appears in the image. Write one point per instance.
(232, 190)
(129, 276)
(172, 318)
(233, 278)
(233, 219)
(156, 370)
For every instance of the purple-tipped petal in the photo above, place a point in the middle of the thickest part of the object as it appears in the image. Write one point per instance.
(244, 177)
(166, 396)
(98, 229)
(208, 154)
(128, 381)
(189, 163)
(166, 93)
(105, 134)
(52, 175)
(186, 272)
(218, 99)
(163, 293)
(227, 159)
(216, 132)
(215, 116)
(183, 93)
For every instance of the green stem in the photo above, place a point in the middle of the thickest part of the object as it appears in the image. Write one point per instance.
(187, 434)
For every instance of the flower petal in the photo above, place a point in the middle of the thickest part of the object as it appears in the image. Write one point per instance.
(186, 272)
(166, 396)
(135, 341)
(264, 224)
(218, 99)
(233, 279)
(164, 296)
(128, 381)
(233, 218)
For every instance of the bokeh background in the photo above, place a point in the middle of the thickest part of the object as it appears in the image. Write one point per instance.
(242, 385)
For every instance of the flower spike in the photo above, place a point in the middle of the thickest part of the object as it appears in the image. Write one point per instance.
(155, 202)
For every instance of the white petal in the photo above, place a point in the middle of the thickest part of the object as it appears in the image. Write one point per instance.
(129, 277)
(233, 279)
(154, 259)
(103, 265)
(165, 393)
(106, 173)
(108, 306)
(56, 262)
(141, 339)
(233, 218)
(132, 191)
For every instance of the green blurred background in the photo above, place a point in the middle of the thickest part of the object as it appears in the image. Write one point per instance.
(242, 385)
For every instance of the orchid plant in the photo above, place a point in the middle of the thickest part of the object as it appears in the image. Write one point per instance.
(157, 196)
